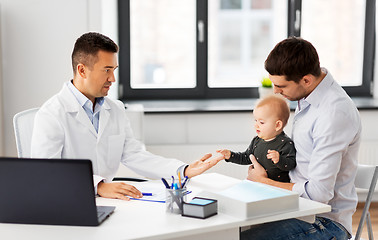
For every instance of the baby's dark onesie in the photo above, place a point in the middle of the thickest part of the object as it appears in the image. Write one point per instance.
(259, 148)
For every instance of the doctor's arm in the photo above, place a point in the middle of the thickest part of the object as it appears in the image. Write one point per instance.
(202, 165)
(48, 136)
(117, 190)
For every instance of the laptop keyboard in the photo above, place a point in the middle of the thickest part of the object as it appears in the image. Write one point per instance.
(100, 214)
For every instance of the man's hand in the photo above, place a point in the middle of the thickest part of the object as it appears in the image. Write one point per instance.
(117, 190)
(273, 155)
(202, 165)
(256, 172)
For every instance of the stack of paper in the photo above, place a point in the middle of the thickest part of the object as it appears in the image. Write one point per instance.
(249, 199)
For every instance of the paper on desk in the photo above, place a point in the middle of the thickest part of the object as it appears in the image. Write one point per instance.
(156, 188)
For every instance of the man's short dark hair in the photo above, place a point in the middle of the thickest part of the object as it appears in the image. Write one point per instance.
(88, 45)
(293, 58)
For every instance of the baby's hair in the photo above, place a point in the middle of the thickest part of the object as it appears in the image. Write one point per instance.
(278, 105)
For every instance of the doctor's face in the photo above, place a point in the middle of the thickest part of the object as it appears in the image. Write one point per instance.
(100, 76)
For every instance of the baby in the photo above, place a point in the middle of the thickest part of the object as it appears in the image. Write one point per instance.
(271, 147)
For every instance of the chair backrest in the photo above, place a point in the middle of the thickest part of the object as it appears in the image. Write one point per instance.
(23, 123)
(366, 178)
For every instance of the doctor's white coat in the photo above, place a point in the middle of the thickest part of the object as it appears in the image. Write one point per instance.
(63, 130)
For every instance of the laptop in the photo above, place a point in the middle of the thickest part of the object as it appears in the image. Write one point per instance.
(49, 191)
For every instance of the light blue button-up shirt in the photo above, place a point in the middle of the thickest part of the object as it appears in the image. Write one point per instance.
(94, 116)
(326, 133)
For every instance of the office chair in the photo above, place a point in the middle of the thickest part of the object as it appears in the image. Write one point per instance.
(23, 123)
(23, 129)
(366, 178)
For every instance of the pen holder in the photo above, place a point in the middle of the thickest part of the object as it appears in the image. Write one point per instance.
(175, 199)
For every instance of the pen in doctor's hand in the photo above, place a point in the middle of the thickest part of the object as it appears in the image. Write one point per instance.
(147, 194)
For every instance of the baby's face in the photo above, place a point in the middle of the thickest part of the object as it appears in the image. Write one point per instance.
(265, 122)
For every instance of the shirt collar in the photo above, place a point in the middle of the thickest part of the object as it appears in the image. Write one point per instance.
(82, 99)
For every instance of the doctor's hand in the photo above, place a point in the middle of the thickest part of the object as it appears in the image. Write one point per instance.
(202, 165)
(256, 172)
(117, 190)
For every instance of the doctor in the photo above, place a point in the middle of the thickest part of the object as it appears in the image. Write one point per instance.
(81, 122)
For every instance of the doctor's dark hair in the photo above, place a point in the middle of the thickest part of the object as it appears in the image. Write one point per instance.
(87, 46)
(293, 58)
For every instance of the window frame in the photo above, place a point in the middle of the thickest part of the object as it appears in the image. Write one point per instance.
(202, 91)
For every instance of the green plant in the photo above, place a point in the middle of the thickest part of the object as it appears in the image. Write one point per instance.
(265, 82)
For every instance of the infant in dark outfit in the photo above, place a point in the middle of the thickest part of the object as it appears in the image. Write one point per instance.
(271, 147)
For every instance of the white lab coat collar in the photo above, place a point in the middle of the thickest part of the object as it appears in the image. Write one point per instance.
(71, 105)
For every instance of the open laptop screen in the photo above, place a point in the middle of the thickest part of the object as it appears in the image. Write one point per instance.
(47, 191)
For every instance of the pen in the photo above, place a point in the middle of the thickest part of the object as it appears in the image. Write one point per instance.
(186, 193)
(186, 182)
(186, 179)
(173, 182)
(179, 177)
(165, 183)
(146, 194)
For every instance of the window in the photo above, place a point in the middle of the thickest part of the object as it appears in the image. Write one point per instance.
(202, 49)
(345, 47)
(241, 35)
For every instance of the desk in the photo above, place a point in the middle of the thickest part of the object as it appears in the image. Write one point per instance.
(148, 220)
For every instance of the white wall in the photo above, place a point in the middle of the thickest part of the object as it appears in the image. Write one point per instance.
(37, 38)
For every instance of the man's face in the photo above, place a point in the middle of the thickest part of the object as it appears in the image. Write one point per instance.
(100, 76)
(288, 89)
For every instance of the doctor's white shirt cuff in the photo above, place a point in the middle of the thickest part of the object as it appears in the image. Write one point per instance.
(96, 180)
(181, 169)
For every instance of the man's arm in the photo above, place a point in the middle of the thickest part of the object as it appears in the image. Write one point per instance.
(257, 173)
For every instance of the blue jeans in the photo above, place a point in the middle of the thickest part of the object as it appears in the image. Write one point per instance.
(322, 228)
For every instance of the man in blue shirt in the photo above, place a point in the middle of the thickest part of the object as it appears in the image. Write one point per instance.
(326, 134)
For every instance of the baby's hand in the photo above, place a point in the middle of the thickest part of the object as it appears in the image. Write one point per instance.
(274, 156)
(226, 153)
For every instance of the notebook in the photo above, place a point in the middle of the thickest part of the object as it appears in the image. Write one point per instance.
(49, 191)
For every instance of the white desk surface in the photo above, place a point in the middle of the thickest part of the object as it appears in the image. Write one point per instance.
(148, 220)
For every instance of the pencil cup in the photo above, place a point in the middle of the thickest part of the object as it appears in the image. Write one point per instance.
(175, 199)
